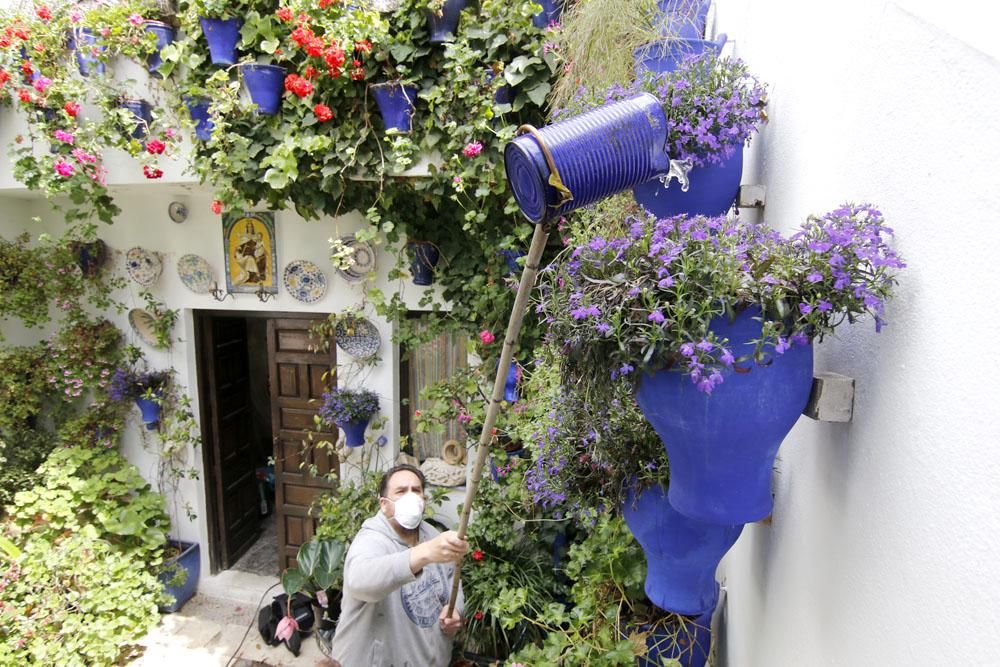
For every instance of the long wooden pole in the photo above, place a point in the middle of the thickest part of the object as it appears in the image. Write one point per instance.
(538, 241)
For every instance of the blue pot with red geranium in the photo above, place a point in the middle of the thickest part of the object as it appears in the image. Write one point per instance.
(351, 410)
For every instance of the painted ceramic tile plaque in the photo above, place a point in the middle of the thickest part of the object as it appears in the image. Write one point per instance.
(250, 253)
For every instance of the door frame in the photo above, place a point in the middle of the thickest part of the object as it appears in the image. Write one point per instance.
(202, 319)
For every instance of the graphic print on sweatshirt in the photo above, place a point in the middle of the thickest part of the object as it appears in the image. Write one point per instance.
(424, 598)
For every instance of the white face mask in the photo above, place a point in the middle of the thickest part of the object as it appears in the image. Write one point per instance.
(409, 510)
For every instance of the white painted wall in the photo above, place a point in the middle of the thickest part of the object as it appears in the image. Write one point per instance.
(886, 534)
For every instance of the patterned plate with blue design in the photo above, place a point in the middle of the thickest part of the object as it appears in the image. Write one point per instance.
(305, 281)
(196, 274)
(143, 266)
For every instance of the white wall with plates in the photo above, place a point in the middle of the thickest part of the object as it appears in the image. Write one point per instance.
(885, 543)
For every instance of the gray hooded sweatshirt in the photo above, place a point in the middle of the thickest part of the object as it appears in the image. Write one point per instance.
(389, 616)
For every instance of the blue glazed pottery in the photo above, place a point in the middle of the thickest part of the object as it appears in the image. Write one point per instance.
(150, 412)
(443, 27)
(189, 560)
(354, 432)
(266, 84)
(223, 35)
(682, 554)
(687, 640)
(722, 446)
(510, 258)
(424, 257)
(712, 189)
(598, 153)
(682, 18)
(164, 35)
(551, 11)
(510, 386)
(143, 113)
(82, 42)
(396, 104)
(198, 108)
(665, 55)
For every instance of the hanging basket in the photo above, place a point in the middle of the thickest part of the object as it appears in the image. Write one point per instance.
(354, 431)
(150, 412)
(357, 336)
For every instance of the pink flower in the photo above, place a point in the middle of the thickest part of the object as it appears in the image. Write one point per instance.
(64, 168)
(464, 418)
(155, 147)
(42, 83)
(63, 136)
(486, 336)
(83, 156)
(75, 16)
(135, 19)
(170, 133)
(286, 627)
(472, 149)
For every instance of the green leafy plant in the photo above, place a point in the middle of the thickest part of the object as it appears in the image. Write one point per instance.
(320, 567)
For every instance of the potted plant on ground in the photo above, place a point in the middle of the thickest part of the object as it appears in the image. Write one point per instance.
(351, 410)
(144, 387)
(319, 574)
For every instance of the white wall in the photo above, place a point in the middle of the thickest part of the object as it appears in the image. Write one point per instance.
(885, 542)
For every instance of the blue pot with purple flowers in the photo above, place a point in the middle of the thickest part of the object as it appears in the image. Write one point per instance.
(198, 108)
(682, 554)
(551, 11)
(665, 55)
(143, 113)
(722, 444)
(150, 410)
(165, 35)
(444, 24)
(222, 35)
(83, 43)
(711, 190)
(354, 431)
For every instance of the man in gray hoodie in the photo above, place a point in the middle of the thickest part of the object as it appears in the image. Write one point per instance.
(397, 582)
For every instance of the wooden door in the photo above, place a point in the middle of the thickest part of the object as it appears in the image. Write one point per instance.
(233, 480)
(297, 385)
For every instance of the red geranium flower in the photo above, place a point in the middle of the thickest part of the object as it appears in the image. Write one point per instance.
(323, 112)
(44, 13)
(72, 109)
(155, 146)
(309, 72)
(4, 76)
(478, 616)
(478, 555)
(358, 74)
(151, 172)
(323, 4)
(364, 45)
(285, 14)
(217, 207)
(24, 95)
(298, 85)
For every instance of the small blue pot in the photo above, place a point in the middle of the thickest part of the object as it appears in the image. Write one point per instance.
(682, 554)
(150, 412)
(81, 42)
(223, 35)
(396, 104)
(666, 55)
(189, 560)
(442, 28)
(354, 432)
(551, 11)
(712, 189)
(198, 108)
(682, 18)
(424, 257)
(164, 35)
(265, 83)
(688, 641)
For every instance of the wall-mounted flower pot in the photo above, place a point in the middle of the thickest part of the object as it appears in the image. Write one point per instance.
(598, 153)
(683, 19)
(424, 256)
(396, 104)
(150, 412)
(510, 258)
(90, 257)
(682, 554)
(354, 432)
(83, 41)
(666, 55)
(712, 189)
(265, 83)
(189, 560)
(443, 27)
(143, 113)
(198, 108)
(165, 35)
(686, 640)
(551, 11)
(223, 35)
(722, 446)
(510, 386)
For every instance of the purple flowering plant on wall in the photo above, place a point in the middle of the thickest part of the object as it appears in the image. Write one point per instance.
(347, 405)
(128, 384)
(639, 293)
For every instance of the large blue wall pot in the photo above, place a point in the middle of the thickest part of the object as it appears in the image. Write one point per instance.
(682, 554)
(223, 35)
(682, 18)
(687, 640)
(396, 104)
(189, 559)
(424, 257)
(82, 42)
(150, 412)
(722, 446)
(354, 432)
(443, 27)
(164, 35)
(266, 84)
(665, 55)
(598, 153)
(551, 11)
(712, 189)
(198, 107)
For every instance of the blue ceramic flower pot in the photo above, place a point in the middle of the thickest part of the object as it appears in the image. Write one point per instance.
(395, 104)
(223, 35)
(510, 386)
(164, 35)
(683, 19)
(189, 560)
(510, 258)
(682, 554)
(424, 257)
(712, 189)
(722, 446)
(198, 108)
(150, 412)
(687, 641)
(443, 27)
(82, 42)
(551, 11)
(665, 55)
(598, 153)
(143, 113)
(265, 83)
(354, 432)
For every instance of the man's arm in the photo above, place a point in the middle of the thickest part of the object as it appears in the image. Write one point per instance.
(373, 570)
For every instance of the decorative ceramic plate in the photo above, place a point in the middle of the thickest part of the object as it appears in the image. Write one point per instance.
(357, 336)
(362, 261)
(143, 266)
(142, 324)
(305, 281)
(196, 274)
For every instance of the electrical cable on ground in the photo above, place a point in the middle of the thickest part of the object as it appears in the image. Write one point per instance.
(253, 619)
